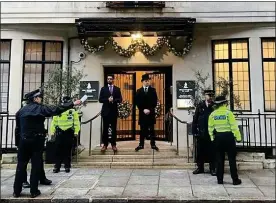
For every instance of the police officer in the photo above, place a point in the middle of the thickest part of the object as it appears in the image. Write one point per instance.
(224, 131)
(30, 120)
(205, 149)
(65, 126)
(43, 179)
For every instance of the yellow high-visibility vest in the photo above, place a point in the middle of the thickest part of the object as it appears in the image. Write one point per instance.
(223, 120)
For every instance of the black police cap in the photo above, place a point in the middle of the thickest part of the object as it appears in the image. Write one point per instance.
(33, 94)
(220, 100)
(209, 92)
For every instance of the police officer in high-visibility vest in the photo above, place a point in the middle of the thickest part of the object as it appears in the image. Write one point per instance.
(65, 126)
(224, 131)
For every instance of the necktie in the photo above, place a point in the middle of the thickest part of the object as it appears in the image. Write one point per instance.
(146, 90)
(110, 89)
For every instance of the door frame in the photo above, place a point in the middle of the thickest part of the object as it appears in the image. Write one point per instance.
(167, 70)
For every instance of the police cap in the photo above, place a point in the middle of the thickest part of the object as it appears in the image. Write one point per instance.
(33, 94)
(220, 100)
(66, 99)
(209, 92)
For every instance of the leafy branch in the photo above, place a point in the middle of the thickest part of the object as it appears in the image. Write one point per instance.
(61, 82)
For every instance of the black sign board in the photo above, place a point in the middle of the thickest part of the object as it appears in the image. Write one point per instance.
(91, 89)
(185, 93)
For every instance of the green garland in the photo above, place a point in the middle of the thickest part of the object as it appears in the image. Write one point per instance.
(141, 45)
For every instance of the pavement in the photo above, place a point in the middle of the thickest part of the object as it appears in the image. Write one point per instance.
(145, 185)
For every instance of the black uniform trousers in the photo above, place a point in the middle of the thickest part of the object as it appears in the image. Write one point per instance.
(64, 144)
(205, 152)
(112, 121)
(29, 149)
(145, 132)
(42, 173)
(225, 142)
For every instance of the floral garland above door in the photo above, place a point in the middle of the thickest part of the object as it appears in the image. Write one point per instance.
(140, 45)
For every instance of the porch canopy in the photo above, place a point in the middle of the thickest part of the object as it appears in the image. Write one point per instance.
(124, 27)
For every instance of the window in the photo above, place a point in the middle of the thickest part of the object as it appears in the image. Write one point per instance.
(5, 74)
(231, 63)
(40, 57)
(268, 55)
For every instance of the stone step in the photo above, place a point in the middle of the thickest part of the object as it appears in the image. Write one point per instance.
(133, 152)
(160, 165)
(150, 160)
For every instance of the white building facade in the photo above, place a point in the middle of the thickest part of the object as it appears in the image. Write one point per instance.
(233, 40)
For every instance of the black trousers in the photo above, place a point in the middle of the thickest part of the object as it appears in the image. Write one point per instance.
(147, 131)
(206, 152)
(42, 173)
(109, 121)
(225, 142)
(29, 149)
(64, 143)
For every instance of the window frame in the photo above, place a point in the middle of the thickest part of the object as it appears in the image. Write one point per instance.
(230, 61)
(7, 62)
(43, 62)
(266, 60)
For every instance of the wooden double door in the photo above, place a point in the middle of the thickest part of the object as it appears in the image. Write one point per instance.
(129, 81)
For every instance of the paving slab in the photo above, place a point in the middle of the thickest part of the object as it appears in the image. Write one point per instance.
(106, 192)
(246, 182)
(145, 172)
(207, 191)
(140, 191)
(111, 181)
(175, 192)
(261, 173)
(174, 174)
(264, 180)
(117, 172)
(244, 193)
(203, 179)
(268, 191)
(142, 180)
(173, 182)
(77, 183)
(89, 172)
(70, 192)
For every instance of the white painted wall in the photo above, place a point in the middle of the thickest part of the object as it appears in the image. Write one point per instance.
(204, 12)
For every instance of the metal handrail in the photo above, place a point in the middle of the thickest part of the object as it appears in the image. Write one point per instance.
(90, 130)
(177, 135)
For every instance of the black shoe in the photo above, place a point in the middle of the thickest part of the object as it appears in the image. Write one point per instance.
(237, 182)
(220, 182)
(15, 195)
(26, 185)
(198, 171)
(56, 170)
(213, 172)
(67, 170)
(139, 148)
(155, 148)
(46, 182)
(37, 193)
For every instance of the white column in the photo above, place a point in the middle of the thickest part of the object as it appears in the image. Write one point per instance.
(256, 74)
(16, 68)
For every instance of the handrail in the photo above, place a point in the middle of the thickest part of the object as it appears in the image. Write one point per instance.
(93, 118)
(177, 135)
(90, 129)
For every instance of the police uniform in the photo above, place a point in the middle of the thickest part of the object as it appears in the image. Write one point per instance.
(205, 149)
(65, 126)
(43, 179)
(30, 120)
(224, 131)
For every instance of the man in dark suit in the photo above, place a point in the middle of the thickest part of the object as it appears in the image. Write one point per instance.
(110, 96)
(146, 101)
(205, 148)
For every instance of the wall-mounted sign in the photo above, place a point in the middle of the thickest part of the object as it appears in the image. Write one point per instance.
(185, 93)
(91, 89)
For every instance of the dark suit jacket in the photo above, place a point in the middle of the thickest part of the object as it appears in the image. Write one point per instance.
(110, 109)
(146, 101)
(200, 119)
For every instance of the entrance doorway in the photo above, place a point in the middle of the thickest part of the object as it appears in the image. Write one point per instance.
(128, 79)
